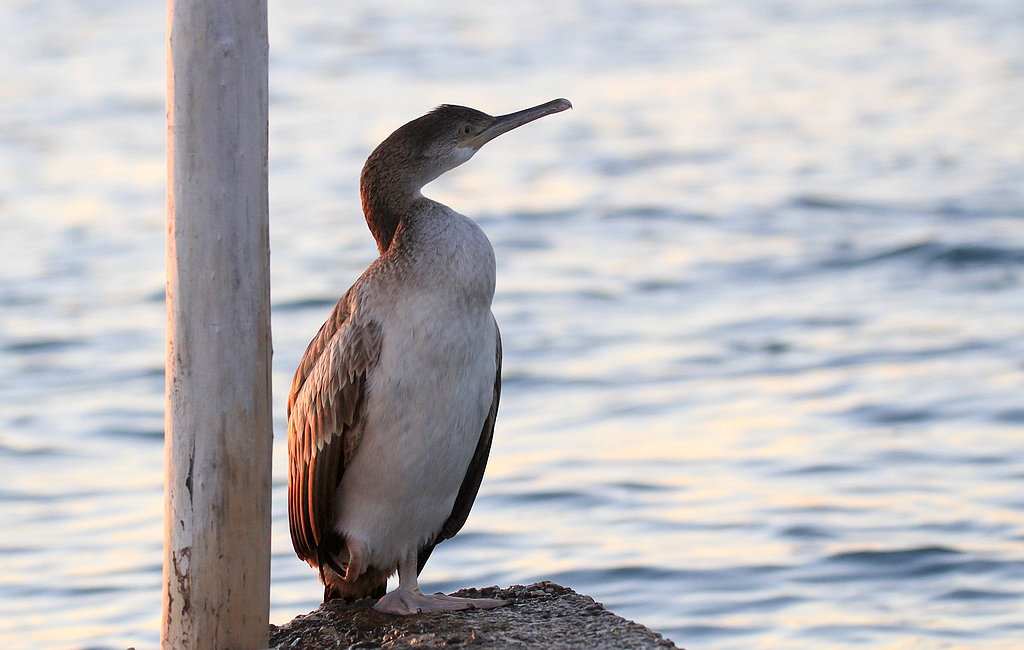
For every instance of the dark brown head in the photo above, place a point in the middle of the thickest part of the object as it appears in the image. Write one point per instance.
(425, 148)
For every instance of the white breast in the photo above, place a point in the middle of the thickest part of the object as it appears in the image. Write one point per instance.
(428, 396)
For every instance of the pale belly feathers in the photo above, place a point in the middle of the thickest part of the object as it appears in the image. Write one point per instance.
(426, 400)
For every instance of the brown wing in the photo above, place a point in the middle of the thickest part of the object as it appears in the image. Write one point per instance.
(475, 474)
(324, 409)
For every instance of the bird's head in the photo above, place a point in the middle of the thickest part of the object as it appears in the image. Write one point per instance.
(445, 138)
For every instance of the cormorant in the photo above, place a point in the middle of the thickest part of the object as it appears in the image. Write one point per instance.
(392, 408)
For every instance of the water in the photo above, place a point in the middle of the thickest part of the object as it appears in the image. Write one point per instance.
(760, 295)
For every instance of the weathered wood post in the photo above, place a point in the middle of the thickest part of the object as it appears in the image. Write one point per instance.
(216, 587)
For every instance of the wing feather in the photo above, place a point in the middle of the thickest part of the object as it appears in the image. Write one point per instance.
(324, 418)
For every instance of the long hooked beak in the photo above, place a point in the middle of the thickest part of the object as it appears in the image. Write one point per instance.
(505, 123)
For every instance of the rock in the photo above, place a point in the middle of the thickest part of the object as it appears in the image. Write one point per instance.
(542, 615)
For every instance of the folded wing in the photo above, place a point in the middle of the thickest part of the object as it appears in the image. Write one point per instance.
(324, 422)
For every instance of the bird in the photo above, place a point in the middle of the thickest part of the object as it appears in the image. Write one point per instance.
(392, 407)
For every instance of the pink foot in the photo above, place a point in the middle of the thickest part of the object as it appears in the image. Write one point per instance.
(405, 603)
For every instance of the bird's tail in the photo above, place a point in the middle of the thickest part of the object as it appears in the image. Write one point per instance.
(372, 584)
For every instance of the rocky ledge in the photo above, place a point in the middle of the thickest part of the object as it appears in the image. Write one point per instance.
(541, 615)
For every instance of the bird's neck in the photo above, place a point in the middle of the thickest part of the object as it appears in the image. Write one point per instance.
(389, 195)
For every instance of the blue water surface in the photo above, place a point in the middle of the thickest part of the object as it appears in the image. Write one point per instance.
(760, 294)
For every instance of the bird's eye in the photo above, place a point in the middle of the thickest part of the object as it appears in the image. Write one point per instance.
(466, 129)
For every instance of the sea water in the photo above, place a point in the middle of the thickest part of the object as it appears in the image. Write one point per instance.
(760, 296)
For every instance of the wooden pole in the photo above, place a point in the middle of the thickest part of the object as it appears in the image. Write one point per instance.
(216, 580)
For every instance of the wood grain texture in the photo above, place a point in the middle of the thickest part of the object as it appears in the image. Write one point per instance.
(216, 587)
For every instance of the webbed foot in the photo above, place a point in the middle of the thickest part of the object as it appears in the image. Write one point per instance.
(404, 603)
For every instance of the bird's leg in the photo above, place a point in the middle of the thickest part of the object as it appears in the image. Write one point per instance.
(356, 559)
(408, 599)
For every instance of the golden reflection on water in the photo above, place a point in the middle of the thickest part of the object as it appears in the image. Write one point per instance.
(758, 292)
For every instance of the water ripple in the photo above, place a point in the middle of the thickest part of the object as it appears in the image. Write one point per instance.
(759, 294)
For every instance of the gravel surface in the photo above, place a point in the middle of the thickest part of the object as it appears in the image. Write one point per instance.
(541, 615)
